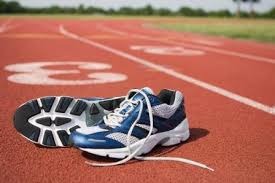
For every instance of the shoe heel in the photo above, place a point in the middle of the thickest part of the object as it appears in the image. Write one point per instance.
(179, 134)
(176, 139)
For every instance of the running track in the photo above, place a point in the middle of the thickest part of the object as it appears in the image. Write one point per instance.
(229, 88)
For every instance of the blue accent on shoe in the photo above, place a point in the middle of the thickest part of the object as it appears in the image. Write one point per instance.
(99, 140)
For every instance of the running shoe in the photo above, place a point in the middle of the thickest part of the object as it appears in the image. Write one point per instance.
(142, 121)
(49, 121)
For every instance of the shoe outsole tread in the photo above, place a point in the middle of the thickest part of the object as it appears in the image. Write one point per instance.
(63, 104)
(53, 118)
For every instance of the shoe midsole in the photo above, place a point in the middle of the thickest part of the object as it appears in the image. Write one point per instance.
(171, 137)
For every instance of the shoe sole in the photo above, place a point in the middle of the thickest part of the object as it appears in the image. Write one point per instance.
(49, 121)
(177, 135)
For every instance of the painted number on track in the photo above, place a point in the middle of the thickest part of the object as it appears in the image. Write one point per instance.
(34, 73)
(168, 50)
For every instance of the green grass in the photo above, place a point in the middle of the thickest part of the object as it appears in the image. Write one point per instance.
(259, 30)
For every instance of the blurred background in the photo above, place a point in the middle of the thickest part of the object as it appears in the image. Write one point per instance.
(245, 19)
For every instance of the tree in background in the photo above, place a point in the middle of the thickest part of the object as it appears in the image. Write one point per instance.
(252, 6)
(10, 7)
(238, 11)
(238, 2)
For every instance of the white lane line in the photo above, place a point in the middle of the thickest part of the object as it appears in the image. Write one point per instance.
(205, 42)
(4, 26)
(8, 28)
(205, 48)
(171, 72)
(107, 29)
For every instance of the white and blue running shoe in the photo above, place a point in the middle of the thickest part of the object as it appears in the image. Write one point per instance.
(141, 122)
(49, 121)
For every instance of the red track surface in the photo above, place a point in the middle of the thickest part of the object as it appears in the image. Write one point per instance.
(235, 139)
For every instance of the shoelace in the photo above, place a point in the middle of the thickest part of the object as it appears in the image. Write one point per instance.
(114, 119)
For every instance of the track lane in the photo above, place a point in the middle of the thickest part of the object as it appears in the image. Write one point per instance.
(236, 45)
(227, 47)
(211, 68)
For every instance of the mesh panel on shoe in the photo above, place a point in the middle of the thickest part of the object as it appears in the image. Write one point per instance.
(146, 127)
(122, 138)
(165, 110)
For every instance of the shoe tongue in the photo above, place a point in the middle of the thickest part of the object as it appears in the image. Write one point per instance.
(139, 96)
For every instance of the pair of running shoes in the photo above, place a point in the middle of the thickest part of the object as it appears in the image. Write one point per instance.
(122, 127)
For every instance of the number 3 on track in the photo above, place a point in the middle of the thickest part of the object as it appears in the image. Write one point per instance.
(34, 73)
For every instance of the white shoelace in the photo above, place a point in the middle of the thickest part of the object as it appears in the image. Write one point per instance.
(114, 119)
